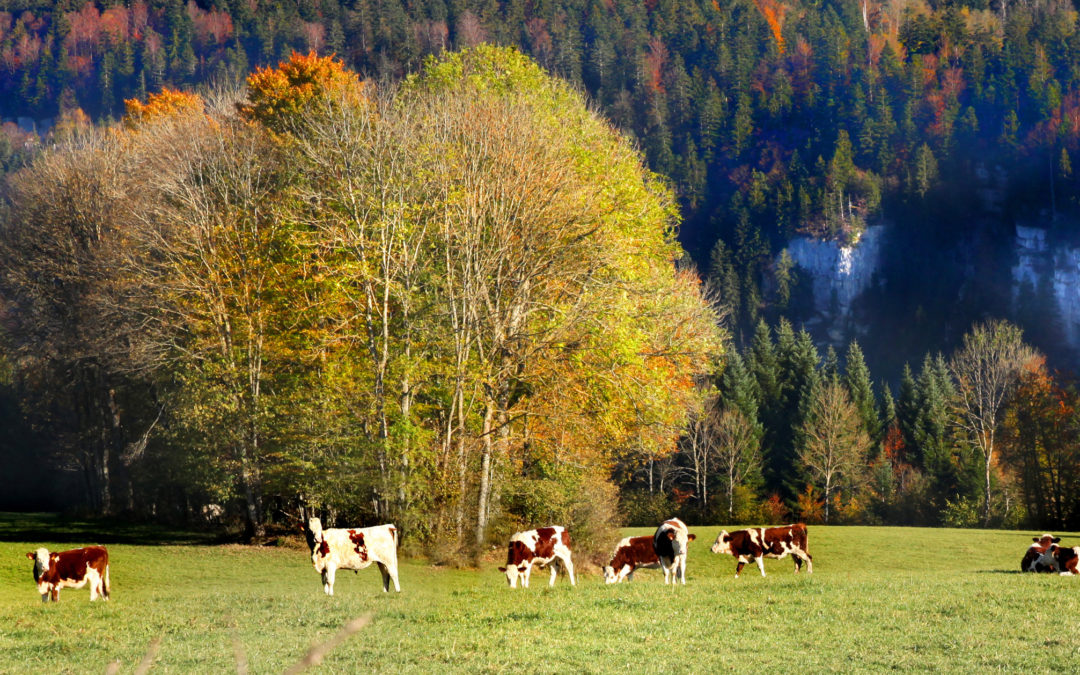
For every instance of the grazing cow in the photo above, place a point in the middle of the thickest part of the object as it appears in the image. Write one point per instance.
(670, 543)
(1030, 562)
(765, 542)
(630, 554)
(353, 549)
(1062, 559)
(542, 547)
(71, 569)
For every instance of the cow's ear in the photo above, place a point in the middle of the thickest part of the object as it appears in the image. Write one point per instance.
(31, 555)
(671, 535)
(1035, 539)
(1056, 539)
(691, 537)
(502, 569)
(727, 537)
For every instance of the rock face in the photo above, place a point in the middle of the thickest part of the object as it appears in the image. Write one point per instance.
(1039, 263)
(839, 273)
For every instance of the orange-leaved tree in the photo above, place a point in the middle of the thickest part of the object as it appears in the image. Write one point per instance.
(167, 102)
(280, 97)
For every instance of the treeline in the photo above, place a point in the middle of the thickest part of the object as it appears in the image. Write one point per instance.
(771, 118)
(451, 304)
(985, 436)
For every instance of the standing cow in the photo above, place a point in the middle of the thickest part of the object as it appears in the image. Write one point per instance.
(765, 542)
(353, 549)
(541, 547)
(630, 554)
(1031, 560)
(670, 542)
(71, 569)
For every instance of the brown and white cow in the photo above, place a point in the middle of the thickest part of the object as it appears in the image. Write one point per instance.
(545, 546)
(1062, 559)
(353, 549)
(670, 542)
(1030, 561)
(765, 542)
(71, 569)
(630, 554)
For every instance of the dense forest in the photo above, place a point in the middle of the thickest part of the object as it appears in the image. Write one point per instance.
(948, 120)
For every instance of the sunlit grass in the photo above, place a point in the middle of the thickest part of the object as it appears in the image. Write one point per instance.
(879, 598)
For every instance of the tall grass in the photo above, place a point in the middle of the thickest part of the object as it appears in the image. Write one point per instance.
(879, 599)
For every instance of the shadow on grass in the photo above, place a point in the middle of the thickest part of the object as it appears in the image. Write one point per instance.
(64, 529)
(1001, 572)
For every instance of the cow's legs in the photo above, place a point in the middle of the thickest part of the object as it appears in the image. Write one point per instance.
(801, 556)
(385, 576)
(680, 569)
(569, 569)
(328, 579)
(739, 565)
(760, 560)
(95, 582)
(554, 571)
(525, 577)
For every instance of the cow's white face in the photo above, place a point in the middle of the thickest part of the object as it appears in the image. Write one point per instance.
(512, 574)
(609, 575)
(41, 566)
(722, 543)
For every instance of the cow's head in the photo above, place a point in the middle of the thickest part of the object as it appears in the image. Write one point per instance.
(513, 572)
(610, 575)
(41, 560)
(722, 543)
(1046, 540)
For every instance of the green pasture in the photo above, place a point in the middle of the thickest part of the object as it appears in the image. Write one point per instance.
(879, 599)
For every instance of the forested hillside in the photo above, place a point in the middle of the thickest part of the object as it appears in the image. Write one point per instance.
(948, 121)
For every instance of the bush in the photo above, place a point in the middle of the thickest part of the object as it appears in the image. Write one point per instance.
(964, 512)
(647, 509)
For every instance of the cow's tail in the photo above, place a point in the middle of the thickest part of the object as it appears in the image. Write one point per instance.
(105, 584)
(394, 534)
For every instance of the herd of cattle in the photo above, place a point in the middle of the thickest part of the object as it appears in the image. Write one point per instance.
(356, 548)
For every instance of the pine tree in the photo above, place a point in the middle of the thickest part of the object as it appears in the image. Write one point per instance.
(857, 379)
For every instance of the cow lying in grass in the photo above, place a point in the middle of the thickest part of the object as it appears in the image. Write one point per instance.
(1061, 559)
(765, 542)
(352, 549)
(71, 569)
(1030, 561)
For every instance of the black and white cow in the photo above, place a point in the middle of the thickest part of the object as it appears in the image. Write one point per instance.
(545, 546)
(765, 542)
(670, 542)
(353, 549)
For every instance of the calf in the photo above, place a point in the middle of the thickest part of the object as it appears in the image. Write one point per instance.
(765, 542)
(543, 546)
(1030, 562)
(630, 554)
(670, 543)
(353, 549)
(1061, 559)
(71, 569)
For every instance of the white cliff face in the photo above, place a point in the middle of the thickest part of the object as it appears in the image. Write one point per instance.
(1037, 262)
(840, 272)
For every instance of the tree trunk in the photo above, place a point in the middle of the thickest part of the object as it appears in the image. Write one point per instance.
(485, 475)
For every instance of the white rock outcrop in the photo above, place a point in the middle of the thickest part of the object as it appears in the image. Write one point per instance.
(839, 272)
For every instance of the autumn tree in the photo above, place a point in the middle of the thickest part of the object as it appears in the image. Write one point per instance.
(987, 370)
(835, 444)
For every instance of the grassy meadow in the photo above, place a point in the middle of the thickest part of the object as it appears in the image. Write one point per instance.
(879, 599)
